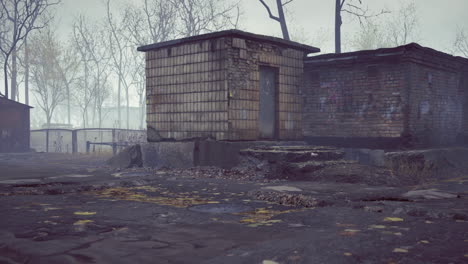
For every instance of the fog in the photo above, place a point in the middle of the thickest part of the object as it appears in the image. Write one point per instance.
(435, 24)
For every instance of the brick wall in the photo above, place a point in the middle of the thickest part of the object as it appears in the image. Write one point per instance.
(186, 91)
(210, 88)
(353, 100)
(407, 96)
(437, 98)
(464, 86)
(244, 59)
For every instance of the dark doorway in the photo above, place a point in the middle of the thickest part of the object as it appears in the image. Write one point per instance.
(267, 113)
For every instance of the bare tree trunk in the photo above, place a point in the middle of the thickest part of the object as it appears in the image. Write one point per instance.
(5, 74)
(14, 73)
(68, 104)
(284, 27)
(26, 72)
(142, 108)
(119, 90)
(128, 106)
(338, 23)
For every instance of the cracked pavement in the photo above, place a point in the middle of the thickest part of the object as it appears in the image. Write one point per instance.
(59, 208)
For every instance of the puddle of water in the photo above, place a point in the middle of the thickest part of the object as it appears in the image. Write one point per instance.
(221, 208)
(20, 181)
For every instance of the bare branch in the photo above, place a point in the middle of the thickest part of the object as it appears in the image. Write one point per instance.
(269, 11)
(461, 43)
(287, 2)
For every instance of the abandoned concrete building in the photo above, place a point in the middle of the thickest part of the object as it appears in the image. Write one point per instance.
(228, 85)
(408, 96)
(14, 126)
(238, 86)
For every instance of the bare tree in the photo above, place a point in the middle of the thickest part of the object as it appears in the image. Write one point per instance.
(67, 66)
(370, 36)
(95, 60)
(150, 22)
(47, 84)
(121, 53)
(280, 18)
(403, 25)
(354, 8)
(21, 17)
(397, 29)
(198, 16)
(83, 92)
(461, 43)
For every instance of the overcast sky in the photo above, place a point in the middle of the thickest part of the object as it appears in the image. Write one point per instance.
(439, 19)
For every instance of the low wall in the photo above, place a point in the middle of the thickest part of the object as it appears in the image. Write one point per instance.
(186, 154)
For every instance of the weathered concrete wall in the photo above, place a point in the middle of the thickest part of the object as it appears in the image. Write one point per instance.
(463, 139)
(354, 100)
(407, 96)
(187, 91)
(244, 59)
(209, 88)
(436, 99)
(168, 154)
(186, 154)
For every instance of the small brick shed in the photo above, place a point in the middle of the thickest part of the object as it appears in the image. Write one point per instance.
(408, 96)
(227, 85)
(14, 126)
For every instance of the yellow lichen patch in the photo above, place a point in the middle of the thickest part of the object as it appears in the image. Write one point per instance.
(166, 198)
(393, 219)
(458, 180)
(49, 222)
(84, 213)
(424, 242)
(147, 188)
(377, 227)
(347, 254)
(82, 222)
(51, 208)
(400, 250)
(344, 225)
(349, 232)
(262, 217)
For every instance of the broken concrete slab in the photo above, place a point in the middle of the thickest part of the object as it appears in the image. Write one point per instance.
(428, 163)
(429, 194)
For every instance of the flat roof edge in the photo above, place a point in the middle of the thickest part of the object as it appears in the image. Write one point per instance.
(379, 53)
(234, 33)
(8, 101)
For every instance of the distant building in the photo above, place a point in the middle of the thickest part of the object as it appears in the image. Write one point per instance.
(14, 126)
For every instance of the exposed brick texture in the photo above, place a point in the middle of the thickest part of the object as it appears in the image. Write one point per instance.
(413, 94)
(245, 57)
(210, 88)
